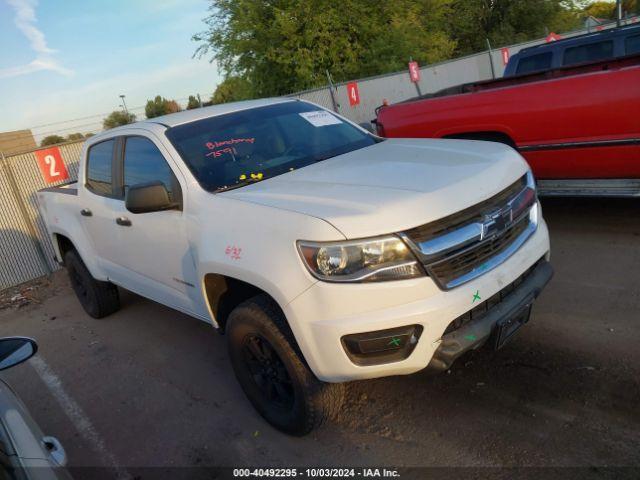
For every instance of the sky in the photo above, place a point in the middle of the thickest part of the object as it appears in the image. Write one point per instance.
(68, 59)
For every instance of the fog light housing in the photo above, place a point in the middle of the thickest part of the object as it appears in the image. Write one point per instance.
(381, 346)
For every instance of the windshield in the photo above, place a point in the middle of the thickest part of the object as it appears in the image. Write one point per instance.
(235, 149)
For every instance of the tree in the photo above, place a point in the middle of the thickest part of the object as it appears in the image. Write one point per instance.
(155, 107)
(160, 106)
(192, 103)
(117, 118)
(505, 22)
(173, 107)
(280, 46)
(631, 6)
(232, 89)
(51, 140)
(607, 10)
(74, 137)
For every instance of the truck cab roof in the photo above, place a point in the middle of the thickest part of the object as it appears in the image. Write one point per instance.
(186, 116)
(591, 47)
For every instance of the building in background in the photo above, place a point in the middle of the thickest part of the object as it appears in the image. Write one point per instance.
(16, 142)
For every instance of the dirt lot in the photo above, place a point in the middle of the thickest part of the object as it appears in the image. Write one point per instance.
(152, 387)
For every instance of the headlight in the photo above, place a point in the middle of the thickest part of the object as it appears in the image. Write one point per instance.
(378, 259)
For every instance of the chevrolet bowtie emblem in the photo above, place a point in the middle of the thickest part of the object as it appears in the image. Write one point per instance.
(496, 222)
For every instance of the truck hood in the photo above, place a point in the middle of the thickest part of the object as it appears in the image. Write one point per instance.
(392, 186)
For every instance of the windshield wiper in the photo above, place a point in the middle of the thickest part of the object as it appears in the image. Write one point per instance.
(241, 183)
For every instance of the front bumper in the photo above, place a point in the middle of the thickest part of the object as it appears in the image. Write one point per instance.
(475, 333)
(325, 313)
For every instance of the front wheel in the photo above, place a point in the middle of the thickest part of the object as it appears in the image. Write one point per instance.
(271, 371)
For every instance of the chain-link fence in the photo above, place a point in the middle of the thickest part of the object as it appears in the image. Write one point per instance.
(397, 87)
(26, 251)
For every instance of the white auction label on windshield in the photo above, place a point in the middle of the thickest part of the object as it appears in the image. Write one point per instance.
(320, 118)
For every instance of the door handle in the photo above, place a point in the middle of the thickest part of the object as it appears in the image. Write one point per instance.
(123, 221)
(85, 212)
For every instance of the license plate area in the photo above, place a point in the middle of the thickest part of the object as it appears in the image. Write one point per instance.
(506, 328)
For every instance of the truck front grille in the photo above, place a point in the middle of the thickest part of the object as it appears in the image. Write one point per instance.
(475, 213)
(463, 246)
(475, 256)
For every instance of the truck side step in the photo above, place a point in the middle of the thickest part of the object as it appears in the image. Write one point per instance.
(589, 188)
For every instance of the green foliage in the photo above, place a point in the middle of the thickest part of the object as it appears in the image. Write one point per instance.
(274, 47)
(607, 10)
(160, 106)
(117, 118)
(74, 137)
(506, 22)
(232, 89)
(192, 103)
(280, 46)
(51, 140)
(601, 10)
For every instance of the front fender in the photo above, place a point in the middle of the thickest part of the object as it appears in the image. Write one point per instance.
(257, 245)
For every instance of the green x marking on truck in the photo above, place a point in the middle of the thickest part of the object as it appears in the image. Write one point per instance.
(395, 342)
(476, 296)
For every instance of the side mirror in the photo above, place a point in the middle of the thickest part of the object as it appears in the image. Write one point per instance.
(148, 197)
(15, 350)
(368, 126)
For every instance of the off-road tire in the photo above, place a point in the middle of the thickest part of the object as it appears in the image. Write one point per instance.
(314, 402)
(98, 299)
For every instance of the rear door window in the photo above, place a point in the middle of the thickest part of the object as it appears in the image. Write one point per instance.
(534, 63)
(632, 44)
(588, 53)
(99, 159)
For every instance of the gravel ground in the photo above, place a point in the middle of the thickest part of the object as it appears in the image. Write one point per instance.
(155, 388)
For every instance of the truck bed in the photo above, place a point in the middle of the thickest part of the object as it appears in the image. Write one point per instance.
(574, 123)
(60, 210)
(515, 80)
(70, 188)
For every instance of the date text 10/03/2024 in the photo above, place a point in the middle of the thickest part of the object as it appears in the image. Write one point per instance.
(316, 472)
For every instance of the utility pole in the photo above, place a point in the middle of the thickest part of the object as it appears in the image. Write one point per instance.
(493, 70)
(199, 99)
(618, 13)
(124, 105)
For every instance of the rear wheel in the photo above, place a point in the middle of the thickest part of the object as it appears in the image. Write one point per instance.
(271, 370)
(98, 299)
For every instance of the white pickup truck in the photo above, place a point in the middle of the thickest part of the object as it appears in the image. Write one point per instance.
(325, 253)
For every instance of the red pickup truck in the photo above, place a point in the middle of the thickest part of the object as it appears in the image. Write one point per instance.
(578, 127)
